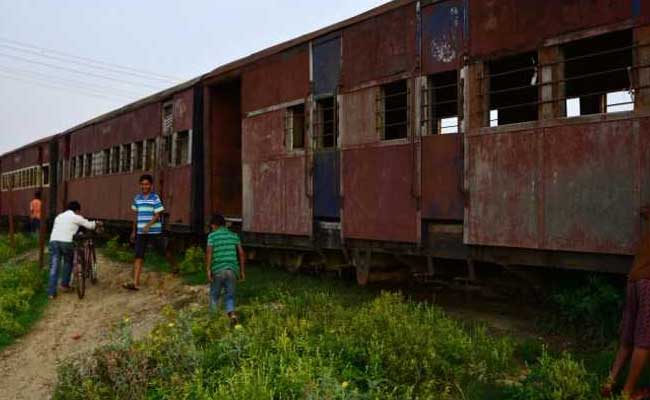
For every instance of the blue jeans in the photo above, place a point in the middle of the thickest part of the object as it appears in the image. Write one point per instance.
(227, 280)
(59, 251)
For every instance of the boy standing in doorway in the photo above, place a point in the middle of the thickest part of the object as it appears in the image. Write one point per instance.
(147, 227)
(225, 262)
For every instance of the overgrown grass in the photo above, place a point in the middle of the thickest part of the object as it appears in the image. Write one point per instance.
(311, 338)
(22, 299)
(21, 244)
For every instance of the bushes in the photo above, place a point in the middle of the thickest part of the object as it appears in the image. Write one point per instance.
(22, 296)
(118, 251)
(22, 243)
(193, 262)
(591, 309)
(301, 339)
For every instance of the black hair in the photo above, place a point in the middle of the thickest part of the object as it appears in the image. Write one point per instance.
(74, 206)
(217, 220)
(146, 177)
(37, 195)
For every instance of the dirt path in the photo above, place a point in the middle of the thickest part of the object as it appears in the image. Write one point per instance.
(70, 326)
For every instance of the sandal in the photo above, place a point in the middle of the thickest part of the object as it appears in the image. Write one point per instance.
(130, 286)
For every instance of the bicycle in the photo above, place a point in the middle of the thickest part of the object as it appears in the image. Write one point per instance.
(84, 262)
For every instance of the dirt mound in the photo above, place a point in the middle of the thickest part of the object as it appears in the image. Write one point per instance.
(70, 326)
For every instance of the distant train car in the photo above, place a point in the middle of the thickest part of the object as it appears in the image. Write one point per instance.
(23, 173)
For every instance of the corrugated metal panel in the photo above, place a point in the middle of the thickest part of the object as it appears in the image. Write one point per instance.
(503, 189)
(358, 121)
(326, 60)
(443, 36)
(377, 190)
(297, 206)
(591, 194)
(277, 79)
(442, 167)
(569, 188)
(177, 194)
(380, 47)
(326, 184)
(502, 26)
(263, 136)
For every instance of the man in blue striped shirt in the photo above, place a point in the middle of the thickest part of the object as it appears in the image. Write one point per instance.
(146, 227)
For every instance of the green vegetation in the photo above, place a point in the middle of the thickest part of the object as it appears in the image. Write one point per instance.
(122, 252)
(22, 299)
(311, 338)
(21, 244)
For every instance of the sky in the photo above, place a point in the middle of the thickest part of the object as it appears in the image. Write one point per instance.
(62, 61)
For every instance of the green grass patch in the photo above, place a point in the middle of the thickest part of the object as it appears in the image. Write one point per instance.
(124, 253)
(21, 244)
(22, 299)
(314, 338)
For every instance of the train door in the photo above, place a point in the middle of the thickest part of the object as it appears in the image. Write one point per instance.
(326, 67)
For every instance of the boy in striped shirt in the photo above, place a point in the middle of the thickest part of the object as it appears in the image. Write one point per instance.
(146, 227)
(225, 263)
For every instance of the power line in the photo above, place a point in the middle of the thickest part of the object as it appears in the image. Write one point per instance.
(61, 88)
(97, 63)
(76, 71)
(50, 78)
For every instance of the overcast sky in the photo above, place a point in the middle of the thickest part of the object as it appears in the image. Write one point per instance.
(43, 90)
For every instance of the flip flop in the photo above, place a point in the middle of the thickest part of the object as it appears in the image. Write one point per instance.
(130, 286)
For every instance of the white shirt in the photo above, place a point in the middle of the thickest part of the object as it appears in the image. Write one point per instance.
(66, 226)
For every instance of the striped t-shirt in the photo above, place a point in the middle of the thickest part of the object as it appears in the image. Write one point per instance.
(146, 207)
(224, 244)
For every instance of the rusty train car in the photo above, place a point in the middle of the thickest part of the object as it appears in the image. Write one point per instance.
(506, 131)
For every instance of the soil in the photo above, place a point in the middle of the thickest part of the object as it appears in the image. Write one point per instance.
(70, 326)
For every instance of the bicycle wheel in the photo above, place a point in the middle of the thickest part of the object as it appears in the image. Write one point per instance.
(81, 276)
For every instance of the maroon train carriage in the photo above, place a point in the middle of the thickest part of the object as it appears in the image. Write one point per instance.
(508, 132)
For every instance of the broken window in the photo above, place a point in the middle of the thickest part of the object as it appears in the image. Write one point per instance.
(106, 162)
(73, 168)
(597, 74)
(139, 156)
(294, 127)
(167, 156)
(88, 165)
(182, 154)
(440, 101)
(393, 108)
(126, 158)
(513, 93)
(115, 159)
(46, 175)
(326, 125)
(80, 167)
(168, 119)
(150, 155)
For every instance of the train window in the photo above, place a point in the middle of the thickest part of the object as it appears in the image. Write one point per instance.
(73, 168)
(393, 110)
(88, 165)
(80, 167)
(127, 155)
(46, 175)
(168, 119)
(182, 155)
(513, 90)
(106, 162)
(294, 127)
(139, 156)
(150, 155)
(597, 74)
(115, 159)
(325, 124)
(440, 103)
(167, 148)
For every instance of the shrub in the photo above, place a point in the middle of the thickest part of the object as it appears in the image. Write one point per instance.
(591, 310)
(118, 251)
(556, 378)
(193, 262)
(21, 297)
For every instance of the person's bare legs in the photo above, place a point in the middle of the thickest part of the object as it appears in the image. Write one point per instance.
(137, 271)
(639, 359)
(624, 352)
